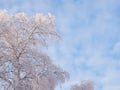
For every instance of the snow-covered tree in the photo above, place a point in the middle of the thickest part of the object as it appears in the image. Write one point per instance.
(84, 85)
(23, 66)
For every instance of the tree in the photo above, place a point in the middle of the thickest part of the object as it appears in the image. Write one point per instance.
(85, 85)
(23, 66)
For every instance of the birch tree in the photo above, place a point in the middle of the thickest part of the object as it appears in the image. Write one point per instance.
(84, 85)
(23, 66)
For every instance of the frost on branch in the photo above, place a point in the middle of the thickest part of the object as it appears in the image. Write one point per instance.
(22, 65)
(85, 85)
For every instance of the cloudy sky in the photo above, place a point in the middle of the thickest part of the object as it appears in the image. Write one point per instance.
(90, 32)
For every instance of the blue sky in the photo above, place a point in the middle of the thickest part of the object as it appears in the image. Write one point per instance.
(90, 31)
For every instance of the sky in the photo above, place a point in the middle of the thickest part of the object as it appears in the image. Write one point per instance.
(90, 38)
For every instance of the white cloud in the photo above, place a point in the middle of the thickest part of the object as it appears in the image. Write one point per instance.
(116, 48)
